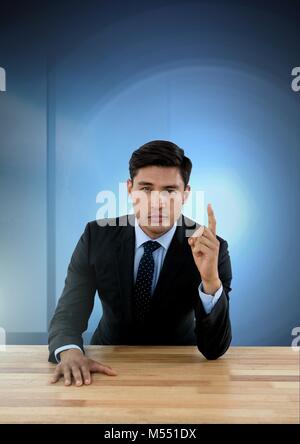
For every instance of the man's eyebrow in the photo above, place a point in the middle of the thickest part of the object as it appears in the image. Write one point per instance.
(143, 182)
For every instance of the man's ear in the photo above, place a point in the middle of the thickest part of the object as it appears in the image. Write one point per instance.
(129, 185)
(186, 194)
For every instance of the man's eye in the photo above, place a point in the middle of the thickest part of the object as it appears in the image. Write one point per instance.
(145, 189)
(172, 191)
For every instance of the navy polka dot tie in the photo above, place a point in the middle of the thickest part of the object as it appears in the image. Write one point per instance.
(143, 283)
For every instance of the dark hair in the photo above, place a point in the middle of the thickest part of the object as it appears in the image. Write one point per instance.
(160, 153)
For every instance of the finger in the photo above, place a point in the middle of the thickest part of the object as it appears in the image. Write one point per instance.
(77, 375)
(67, 376)
(100, 368)
(86, 374)
(56, 376)
(212, 223)
(109, 371)
(201, 248)
(191, 241)
(208, 234)
(197, 233)
(205, 241)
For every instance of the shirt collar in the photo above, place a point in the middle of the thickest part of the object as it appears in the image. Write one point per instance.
(164, 240)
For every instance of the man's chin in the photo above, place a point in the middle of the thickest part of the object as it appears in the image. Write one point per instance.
(159, 227)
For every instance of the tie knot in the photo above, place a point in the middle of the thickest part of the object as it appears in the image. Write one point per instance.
(150, 246)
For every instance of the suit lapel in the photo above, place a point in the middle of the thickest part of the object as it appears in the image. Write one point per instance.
(124, 259)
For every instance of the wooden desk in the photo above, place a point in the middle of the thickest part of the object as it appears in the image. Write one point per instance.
(158, 384)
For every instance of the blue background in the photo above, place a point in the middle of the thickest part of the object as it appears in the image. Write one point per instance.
(87, 83)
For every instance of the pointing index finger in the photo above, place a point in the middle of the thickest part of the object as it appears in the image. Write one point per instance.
(212, 223)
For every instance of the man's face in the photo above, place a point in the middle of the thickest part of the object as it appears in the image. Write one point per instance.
(157, 194)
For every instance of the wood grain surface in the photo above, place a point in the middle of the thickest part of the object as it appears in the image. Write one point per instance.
(155, 384)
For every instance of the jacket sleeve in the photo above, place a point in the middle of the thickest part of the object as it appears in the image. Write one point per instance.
(76, 303)
(213, 330)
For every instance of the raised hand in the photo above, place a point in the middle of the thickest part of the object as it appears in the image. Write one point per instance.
(205, 250)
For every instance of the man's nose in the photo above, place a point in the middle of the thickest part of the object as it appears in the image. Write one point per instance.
(158, 199)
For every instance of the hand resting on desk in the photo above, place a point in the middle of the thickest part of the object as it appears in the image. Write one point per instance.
(74, 366)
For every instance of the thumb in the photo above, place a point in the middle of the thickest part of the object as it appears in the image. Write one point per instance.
(191, 241)
(96, 367)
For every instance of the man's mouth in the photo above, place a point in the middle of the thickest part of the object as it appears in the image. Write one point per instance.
(157, 217)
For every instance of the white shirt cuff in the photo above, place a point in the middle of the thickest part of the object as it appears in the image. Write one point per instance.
(63, 348)
(209, 300)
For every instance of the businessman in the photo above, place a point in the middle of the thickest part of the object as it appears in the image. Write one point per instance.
(161, 277)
